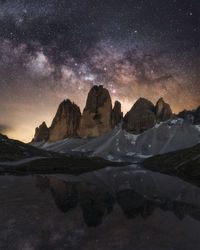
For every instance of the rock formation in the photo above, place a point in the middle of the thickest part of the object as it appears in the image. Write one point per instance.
(99, 118)
(41, 133)
(163, 111)
(197, 116)
(96, 118)
(66, 122)
(3, 137)
(141, 117)
(193, 116)
(144, 115)
(117, 115)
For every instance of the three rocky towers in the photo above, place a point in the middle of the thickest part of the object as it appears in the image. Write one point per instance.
(99, 117)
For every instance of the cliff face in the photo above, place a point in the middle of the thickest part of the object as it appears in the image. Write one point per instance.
(141, 117)
(96, 118)
(66, 122)
(99, 118)
(144, 115)
(117, 115)
(163, 111)
(41, 133)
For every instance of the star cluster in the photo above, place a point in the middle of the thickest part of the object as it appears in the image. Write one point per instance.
(51, 50)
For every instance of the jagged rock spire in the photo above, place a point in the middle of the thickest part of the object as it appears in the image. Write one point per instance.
(96, 118)
(41, 133)
(66, 122)
(117, 115)
(163, 111)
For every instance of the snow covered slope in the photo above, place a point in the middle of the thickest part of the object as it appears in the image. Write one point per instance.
(120, 145)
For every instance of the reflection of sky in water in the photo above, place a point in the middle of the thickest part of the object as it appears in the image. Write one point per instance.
(109, 208)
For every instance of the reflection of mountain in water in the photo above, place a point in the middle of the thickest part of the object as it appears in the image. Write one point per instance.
(112, 208)
(96, 200)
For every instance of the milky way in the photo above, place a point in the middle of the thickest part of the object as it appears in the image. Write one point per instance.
(51, 50)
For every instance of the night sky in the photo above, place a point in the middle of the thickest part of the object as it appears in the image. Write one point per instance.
(51, 50)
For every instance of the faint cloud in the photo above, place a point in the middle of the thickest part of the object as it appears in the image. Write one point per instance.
(5, 128)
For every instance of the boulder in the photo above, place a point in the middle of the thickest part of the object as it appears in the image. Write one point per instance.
(96, 118)
(66, 122)
(117, 115)
(41, 133)
(163, 111)
(141, 117)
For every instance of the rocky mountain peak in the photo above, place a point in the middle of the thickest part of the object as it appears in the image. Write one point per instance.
(96, 118)
(66, 121)
(117, 114)
(163, 111)
(99, 118)
(192, 115)
(141, 117)
(97, 97)
(41, 133)
(144, 115)
(143, 103)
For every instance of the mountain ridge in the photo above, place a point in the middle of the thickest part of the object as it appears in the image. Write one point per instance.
(99, 117)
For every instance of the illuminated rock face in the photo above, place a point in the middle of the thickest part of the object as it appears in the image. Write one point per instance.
(117, 115)
(66, 122)
(99, 118)
(96, 118)
(144, 115)
(163, 111)
(141, 117)
(41, 133)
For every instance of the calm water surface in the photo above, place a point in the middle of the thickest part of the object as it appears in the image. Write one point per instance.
(112, 208)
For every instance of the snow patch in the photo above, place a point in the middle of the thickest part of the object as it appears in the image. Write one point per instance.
(144, 156)
(130, 153)
(131, 137)
(110, 157)
(197, 127)
(157, 125)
